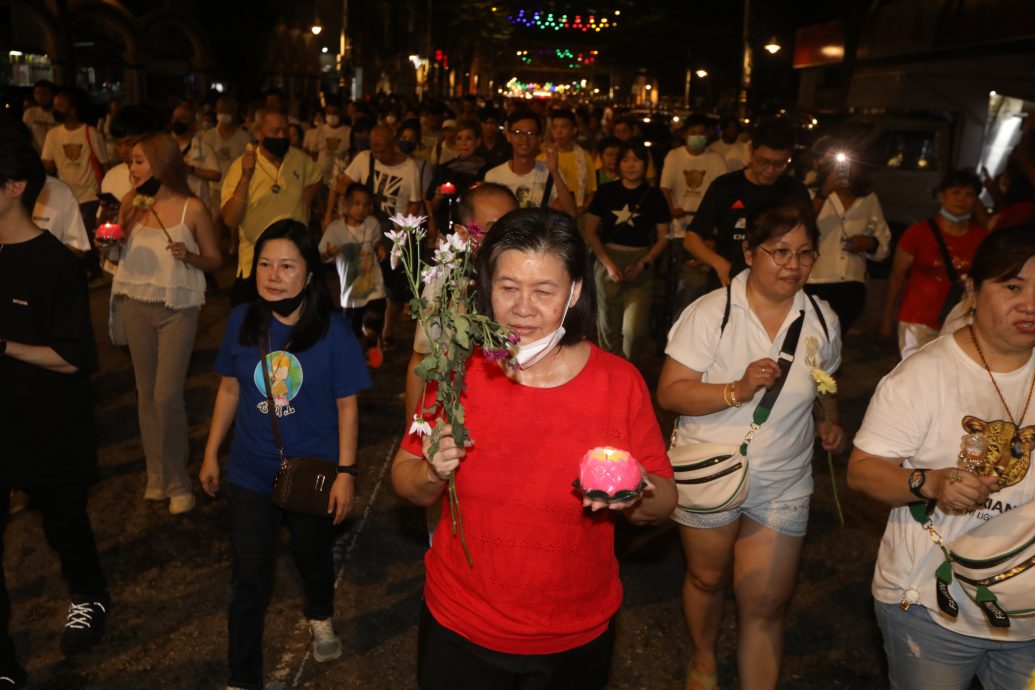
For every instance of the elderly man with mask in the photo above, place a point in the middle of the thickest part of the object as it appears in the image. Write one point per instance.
(269, 182)
(393, 179)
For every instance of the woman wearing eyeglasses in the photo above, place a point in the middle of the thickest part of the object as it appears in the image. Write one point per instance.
(714, 376)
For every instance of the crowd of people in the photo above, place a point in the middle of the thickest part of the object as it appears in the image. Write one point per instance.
(580, 231)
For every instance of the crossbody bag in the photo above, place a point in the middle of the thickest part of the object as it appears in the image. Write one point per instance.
(955, 284)
(303, 484)
(713, 477)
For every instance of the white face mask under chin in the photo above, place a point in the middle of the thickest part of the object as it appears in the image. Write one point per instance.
(532, 353)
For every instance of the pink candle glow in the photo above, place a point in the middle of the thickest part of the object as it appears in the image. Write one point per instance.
(609, 471)
(109, 232)
(447, 189)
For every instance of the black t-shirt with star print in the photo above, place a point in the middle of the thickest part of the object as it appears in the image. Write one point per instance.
(629, 217)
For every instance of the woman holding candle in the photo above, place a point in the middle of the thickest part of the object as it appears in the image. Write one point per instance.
(160, 285)
(976, 384)
(454, 177)
(722, 356)
(540, 600)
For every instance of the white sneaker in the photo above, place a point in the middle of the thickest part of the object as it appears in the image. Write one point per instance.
(181, 503)
(326, 645)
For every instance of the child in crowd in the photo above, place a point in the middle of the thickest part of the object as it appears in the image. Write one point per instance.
(353, 242)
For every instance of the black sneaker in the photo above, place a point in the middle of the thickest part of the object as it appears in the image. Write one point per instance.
(85, 626)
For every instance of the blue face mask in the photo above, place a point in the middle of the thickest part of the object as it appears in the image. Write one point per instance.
(952, 217)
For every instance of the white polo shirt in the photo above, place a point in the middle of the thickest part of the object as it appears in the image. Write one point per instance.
(781, 453)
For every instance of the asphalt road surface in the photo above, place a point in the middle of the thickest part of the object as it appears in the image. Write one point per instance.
(170, 574)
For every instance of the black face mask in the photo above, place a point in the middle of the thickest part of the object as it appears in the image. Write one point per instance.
(277, 146)
(59, 116)
(361, 144)
(285, 307)
(180, 128)
(149, 187)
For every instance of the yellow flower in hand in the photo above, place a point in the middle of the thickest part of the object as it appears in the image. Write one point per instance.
(825, 383)
(143, 201)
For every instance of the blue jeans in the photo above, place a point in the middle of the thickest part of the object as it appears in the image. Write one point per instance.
(923, 655)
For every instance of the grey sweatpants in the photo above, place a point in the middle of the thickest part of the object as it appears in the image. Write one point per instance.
(160, 343)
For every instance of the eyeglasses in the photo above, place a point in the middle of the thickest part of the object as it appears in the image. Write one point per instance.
(765, 163)
(782, 256)
(524, 134)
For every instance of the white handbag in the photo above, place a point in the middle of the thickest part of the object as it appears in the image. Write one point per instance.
(994, 564)
(710, 477)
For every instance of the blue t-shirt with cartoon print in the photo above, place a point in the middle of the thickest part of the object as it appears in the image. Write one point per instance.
(305, 388)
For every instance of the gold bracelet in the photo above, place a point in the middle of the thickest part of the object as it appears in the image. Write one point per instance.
(731, 387)
(726, 395)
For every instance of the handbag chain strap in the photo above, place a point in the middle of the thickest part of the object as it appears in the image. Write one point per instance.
(271, 411)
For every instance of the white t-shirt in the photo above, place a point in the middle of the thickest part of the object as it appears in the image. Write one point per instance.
(736, 154)
(688, 177)
(225, 150)
(919, 412)
(836, 224)
(57, 211)
(71, 155)
(203, 157)
(528, 188)
(116, 182)
(331, 144)
(356, 261)
(397, 185)
(780, 456)
(39, 122)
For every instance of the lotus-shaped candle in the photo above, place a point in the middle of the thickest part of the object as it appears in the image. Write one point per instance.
(109, 234)
(611, 475)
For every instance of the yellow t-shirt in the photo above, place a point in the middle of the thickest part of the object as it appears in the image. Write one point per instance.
(568, 165)
(297, 171)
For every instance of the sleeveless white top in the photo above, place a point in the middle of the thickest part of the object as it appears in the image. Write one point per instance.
(148, 273)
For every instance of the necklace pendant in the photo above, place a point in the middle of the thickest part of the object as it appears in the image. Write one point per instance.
(1016, 447)
(275, 189)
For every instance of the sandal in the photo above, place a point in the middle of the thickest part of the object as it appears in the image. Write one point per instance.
(705, 682)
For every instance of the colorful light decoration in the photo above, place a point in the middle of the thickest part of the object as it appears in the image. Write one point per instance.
(519, 89)
(533, 19)
(573, 59)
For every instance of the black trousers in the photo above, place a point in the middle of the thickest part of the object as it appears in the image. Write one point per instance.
(254, 527)
(66, 527)
(448, 661)
(371, 315)
(846, 299)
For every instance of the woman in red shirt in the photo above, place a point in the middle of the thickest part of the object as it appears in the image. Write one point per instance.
(919, 257)
(542, 594)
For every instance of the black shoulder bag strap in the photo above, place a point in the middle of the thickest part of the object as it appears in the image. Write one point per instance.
(370, 175)
(786, 359)
(729, 299)
(271, 409)
(950, 269)
(547, 191)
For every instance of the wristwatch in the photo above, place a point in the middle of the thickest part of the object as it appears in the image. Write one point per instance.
(916, 483)
(347, 469)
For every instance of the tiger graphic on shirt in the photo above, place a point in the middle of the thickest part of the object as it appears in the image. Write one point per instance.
(999, 461)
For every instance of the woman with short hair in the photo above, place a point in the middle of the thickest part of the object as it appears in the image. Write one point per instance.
(723, 354)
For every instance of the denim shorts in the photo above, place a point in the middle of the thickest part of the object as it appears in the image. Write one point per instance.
(788, 517)
(923, 655)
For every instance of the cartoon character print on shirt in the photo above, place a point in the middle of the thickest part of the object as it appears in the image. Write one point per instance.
(694, 178)
(72, 151)
(285, 382)
(1006, 459)
(359, 269)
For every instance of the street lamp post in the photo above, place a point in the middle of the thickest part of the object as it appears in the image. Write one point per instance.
(745, 72)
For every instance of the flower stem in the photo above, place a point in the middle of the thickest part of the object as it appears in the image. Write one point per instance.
(830, 466)
(458, 521)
